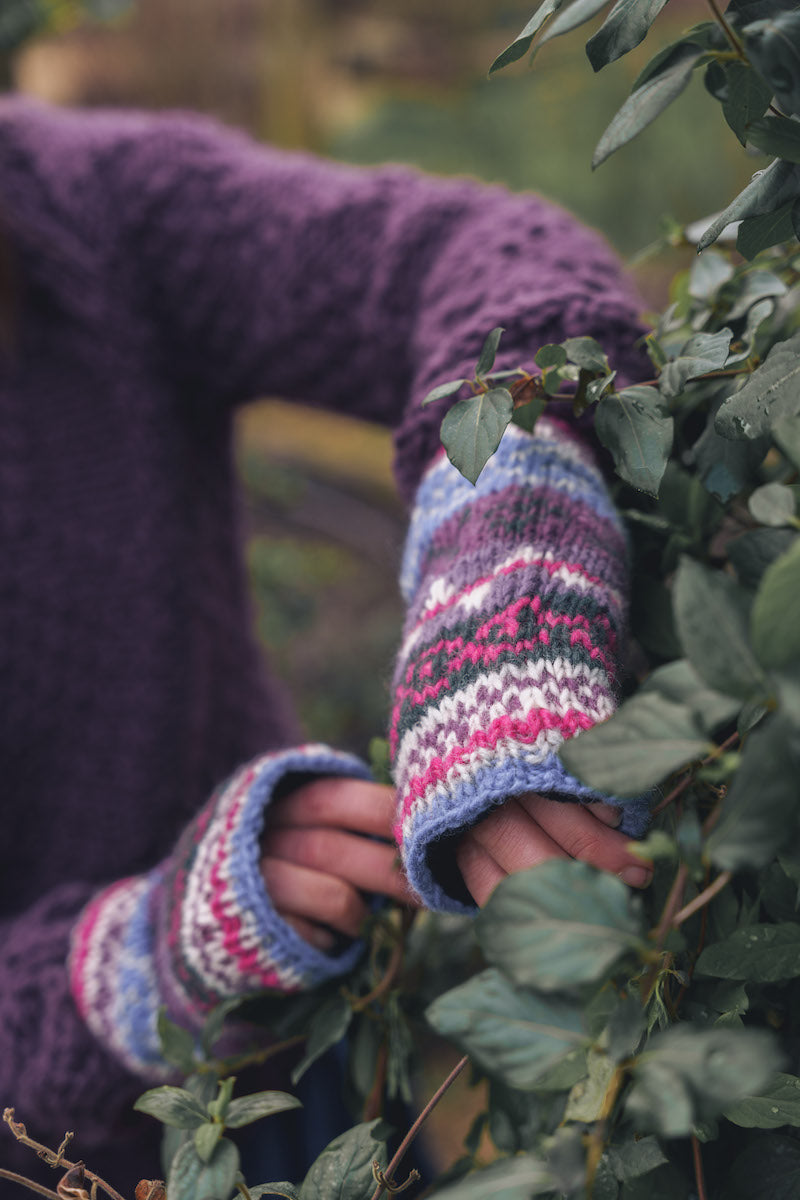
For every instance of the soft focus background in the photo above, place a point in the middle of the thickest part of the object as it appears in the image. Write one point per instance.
(370, 81)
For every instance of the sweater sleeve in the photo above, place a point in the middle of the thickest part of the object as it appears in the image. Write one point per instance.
(200, 927)
(516, 593)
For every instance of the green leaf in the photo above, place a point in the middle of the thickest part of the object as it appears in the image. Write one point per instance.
(172, 1105)
(257, 1105)
(680, 683)
(328, 1026)
(773, 504)
(776, 1105)
(444, 389)
(526, 415)
(776, 136)
(632, 1159)
(708, 273)
(212, 1029)
(702, 353)
(206, 1137)
(488, 352)
(773, 47)
(517, 1036)
(522, 42)
(192, 1179)
(585, 1101)
(558, 925)
(712, 617)
(570, 18)
(647, 739)
(769, 1169)
(759, 233)
(759, 810)
(585, 352)
(746, 98)
(688, 1073)
(786, 434)
(287, 1191)
(649, 100)
(218, 1107)
(177, 1044)
(634, 425)
(343, 1170)
(776, 631)
(752, 553)
(772, 392)
(550, 355)
(757, 953)
(624, 27)
(767, 191)
(472, 429)
(727, 467)
(507, 1179)
(752, 286)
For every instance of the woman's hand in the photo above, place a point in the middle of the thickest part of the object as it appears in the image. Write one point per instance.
(320, 856)
(529, 829)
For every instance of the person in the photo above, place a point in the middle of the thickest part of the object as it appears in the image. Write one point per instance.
(162, 271)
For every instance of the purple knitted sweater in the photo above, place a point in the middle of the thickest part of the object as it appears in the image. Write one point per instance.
(165, 271)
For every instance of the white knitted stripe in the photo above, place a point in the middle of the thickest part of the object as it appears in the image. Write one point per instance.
(516, 688)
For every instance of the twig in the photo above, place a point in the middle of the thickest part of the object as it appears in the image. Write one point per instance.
(251, 1058)
(54, 1158)
(681, 787)
(415, 1128)
(597, 1136)
(702, 899)
(729, 34)
(662, 929)
(29, 1183)
(699, 1178)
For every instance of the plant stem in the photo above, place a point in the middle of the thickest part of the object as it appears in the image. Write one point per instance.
(726, 29)
(29, 1183)
(702, 899)
(662, 929)
(54, 1158)
(597, 1136)
(415, 1128)
(699, 1178)
(681, 787)
(229, 1066)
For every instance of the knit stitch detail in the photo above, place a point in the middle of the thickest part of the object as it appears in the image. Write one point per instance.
(510, 645)
(200, 927)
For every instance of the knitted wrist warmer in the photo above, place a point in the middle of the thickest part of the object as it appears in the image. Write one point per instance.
(200, 927)
(516, 592)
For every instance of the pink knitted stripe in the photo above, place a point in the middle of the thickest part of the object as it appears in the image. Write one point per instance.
(546, 564)
(525, 729)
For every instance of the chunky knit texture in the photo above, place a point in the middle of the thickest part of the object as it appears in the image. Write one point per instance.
(516, 602)
(167, 270)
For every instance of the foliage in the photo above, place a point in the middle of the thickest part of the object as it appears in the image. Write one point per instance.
(22, 19)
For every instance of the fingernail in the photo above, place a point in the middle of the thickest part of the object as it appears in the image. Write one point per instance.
(635, 876)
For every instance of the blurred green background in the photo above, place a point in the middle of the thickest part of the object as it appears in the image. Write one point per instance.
(372, 81)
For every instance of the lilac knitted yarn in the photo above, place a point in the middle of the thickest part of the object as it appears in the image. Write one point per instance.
(167, 270)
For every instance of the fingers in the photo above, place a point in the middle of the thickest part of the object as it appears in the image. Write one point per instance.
(609, 814)
(314, 897)
(354, 804)
(581, 835)
(367, 865)
(480, 872)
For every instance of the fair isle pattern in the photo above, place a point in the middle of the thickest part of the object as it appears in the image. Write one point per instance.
(200, 927)
(516, 593)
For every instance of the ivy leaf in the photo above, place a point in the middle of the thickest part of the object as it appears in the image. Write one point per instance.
(192, 1179)
(444, 389)
(172, 1105)
(759, 233)
(647, 739)
(515, 1035)
(635, 426)
(488, 352)
(712, 618)
(776, 632)
(759, 809)
(773, 47)
(472, 429)
(328, 1026)
(688, 1073)
(624, 27)
(702, 353)
(522, 42)
(767, 191)
(756, 953)
(585, 352)
(771, 393)
(773, 504)
(649, 100)
(551, 355)
(515, 1178)
(344, 1168)
(777, 136)
(776, 1105)
(257, 1105)
(558, 925)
